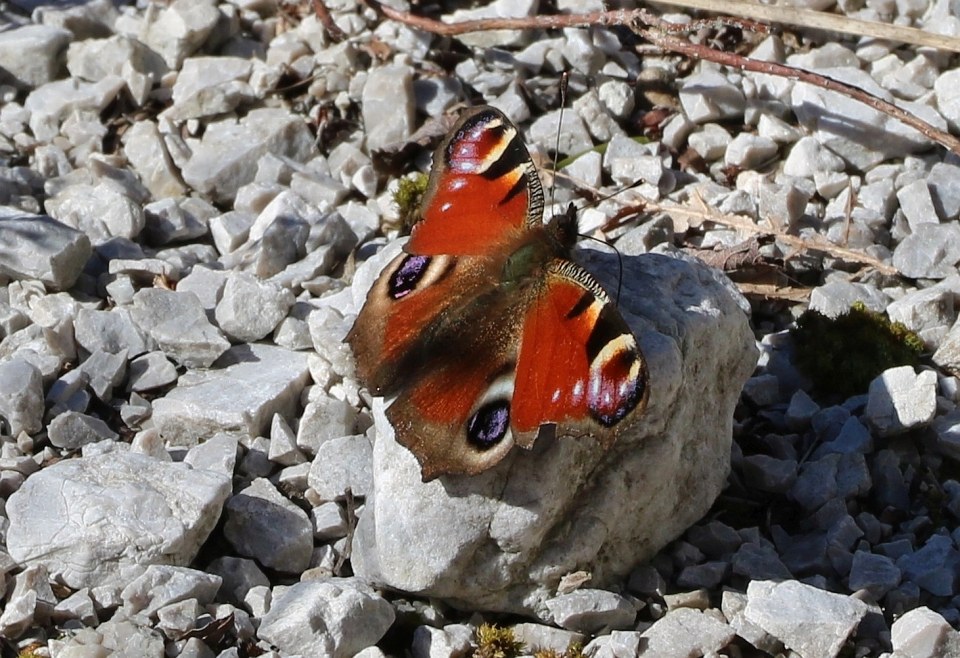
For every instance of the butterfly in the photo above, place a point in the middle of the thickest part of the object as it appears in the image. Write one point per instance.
(484, 329)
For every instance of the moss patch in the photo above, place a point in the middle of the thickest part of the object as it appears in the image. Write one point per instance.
(842, 355)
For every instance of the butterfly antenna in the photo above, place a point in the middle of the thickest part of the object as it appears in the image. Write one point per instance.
(564, 80)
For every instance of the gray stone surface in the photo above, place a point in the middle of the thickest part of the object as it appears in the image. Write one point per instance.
(589, 610)
(529, 549)
(342, 464)
(21, 397)
(226, 157)
(264, 525)
(241, 395)
(32, 55)
(327, 618)
(901, 399)
(161, 585)
(812, 622)
(40, 247)
(107, 517)
(71, 430)
(249, 309)
(685, 632)
(179, 325)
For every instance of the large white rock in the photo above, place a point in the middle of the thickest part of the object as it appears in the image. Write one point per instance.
(98, 521)
(503, 539)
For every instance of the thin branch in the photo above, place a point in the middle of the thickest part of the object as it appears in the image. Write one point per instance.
(326, 19)
(698, 51)
(819, 20)
(656, 31)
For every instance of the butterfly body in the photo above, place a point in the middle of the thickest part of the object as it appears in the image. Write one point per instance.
(484, 329)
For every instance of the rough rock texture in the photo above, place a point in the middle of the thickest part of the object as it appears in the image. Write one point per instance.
(254, 383)
(327, 618)
(502, 540)
(94, 521)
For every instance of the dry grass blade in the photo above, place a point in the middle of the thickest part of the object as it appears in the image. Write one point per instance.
(773, 292)
(700, 211)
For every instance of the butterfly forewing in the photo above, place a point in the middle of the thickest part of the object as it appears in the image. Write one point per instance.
(484, 190)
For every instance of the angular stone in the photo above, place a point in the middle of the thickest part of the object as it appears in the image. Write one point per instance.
(920, 633)
(179, 29)
(162, 585)
(546, 637)
(324, 419)
(249, 309)
(342, 464)
(589, 610)
(111, 331)
(150, 371)
(710, 96)
(226, 157)
(931, 251)
(111, 515)
(935, 566)
(32, 55)
(71, 430)
(208, 86)
(251, 384)
(101, 211)
(407, 552)
(238, 575)
(21, 397)
(118, 55)
(916, 202)
(901, 399)
(451, 641)
(748, 151)
(812, 622)
(264, 525)
(179, 325)
(388, 106)
(836, 297)
(875, 573)
(40, 247)
(685, 632)
(217, 453)
(327, 618)
(54, 102)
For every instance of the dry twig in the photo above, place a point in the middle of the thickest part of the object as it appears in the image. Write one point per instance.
(700, 211)
(819, 20)
(658, 32)
(333, 30)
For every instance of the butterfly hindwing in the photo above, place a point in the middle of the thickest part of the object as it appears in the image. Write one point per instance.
(579, 364)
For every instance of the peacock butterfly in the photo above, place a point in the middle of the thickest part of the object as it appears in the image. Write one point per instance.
(484, 329)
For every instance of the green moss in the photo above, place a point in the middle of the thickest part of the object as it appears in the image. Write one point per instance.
(408, 197)
(842, 355)
(573, 651)
(497, 642)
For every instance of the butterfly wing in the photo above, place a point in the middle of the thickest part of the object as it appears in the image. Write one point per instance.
(484, 191)
(484, 195)
(579, 365)
(479, 330)
(555, 351)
